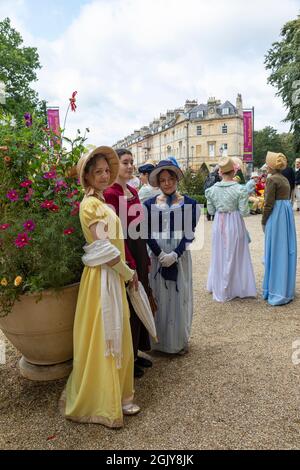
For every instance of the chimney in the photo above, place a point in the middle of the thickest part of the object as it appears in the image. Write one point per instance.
(239, 103)
(190, 104)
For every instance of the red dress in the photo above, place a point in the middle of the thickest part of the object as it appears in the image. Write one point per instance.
(130, 212)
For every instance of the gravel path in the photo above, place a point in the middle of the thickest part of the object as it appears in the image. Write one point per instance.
(236, 389)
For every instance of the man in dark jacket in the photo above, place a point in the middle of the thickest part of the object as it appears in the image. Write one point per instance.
(289, 173)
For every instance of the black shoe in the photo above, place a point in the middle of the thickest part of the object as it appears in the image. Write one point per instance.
(142, 362)
(138, 372)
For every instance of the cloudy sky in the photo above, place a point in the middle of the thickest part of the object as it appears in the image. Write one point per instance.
(131, 60)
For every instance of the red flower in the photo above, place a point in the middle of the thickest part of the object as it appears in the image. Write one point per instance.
(75, 209)
(47, 204)
(22, 240)
(4, 226)
(69, 231)
(73, 101)
(26, 183)
(72, 193)
(54, 208)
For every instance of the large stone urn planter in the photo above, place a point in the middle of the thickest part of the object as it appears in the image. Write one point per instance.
(41, 328)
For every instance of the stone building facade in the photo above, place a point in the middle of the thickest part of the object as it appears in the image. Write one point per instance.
(194, 134)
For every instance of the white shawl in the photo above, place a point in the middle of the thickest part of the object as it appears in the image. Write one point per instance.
(99, 253)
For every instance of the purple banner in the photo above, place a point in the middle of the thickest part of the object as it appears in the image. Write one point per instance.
(248, 138)
(53, 122)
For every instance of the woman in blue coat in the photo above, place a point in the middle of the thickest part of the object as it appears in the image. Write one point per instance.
(171, 220)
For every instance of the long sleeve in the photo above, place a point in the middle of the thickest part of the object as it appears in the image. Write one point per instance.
(244, 202)
(112, 199)
(211, 209)
(270, 196)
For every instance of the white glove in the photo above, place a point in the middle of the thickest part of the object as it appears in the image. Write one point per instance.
(161, 256)
(169, 259)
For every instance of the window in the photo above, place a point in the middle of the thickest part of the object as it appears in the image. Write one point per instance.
(200, 114)
(225, 111)
(225, 150)
(199, 130)
(211, 150)
(224, 129)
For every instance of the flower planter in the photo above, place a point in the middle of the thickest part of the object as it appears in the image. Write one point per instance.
(42, 330)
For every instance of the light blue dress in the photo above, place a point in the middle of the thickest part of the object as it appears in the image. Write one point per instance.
(280, 257)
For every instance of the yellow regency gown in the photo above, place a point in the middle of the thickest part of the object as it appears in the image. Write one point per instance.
(96, 389)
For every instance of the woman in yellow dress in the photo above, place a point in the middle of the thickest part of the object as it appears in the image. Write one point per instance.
(100, 387)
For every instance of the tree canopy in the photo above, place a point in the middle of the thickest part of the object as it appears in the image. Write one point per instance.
(283, 59)
(269, 139)
(18, 68)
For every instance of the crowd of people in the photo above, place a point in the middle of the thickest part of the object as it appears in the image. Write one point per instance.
(137, 240)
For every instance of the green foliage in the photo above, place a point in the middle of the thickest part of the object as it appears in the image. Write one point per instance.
(283, 60)
(18, 68)
(201, 199)
(269, 139)
(192, 182)
(46, 253)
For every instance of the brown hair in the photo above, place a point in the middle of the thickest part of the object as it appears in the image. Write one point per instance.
(93, 161)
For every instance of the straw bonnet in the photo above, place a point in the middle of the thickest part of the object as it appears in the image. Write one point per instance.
(226, 164)
(111, 158)
(276, 161)
(164, 165)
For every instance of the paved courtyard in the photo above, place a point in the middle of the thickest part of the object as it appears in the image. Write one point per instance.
(236, 389)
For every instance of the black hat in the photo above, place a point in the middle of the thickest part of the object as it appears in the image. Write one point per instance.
(146, 168)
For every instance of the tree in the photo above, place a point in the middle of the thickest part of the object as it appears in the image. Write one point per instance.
(269, 139)
(18, 68)
(283, 59)
(264, 140)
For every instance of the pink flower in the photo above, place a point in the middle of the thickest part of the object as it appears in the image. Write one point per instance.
(26, 183)
(47, 204)
(59, 185)
(50, 175)
(28, 195)
(12, 195)
(4, 226)
(29, 225)
(22, 240)
(69, 231)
